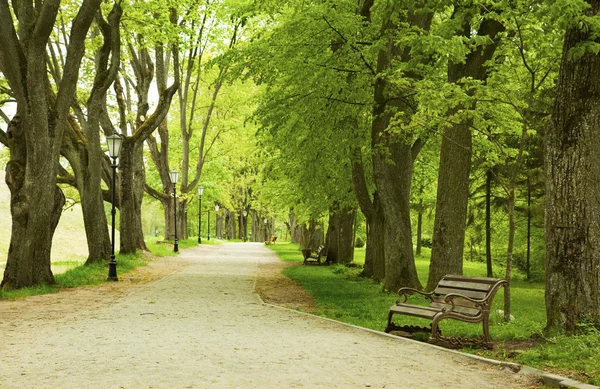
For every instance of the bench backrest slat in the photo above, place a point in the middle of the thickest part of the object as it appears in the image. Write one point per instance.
(478, 288)
(464, 285)
(474, 294)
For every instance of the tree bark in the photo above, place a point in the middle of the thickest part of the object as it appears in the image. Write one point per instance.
(393, 156)
(132, 175)
(455, 160)
(488, 223)
(573, 195)
(92, 201)
(35, 134)
(374, 255)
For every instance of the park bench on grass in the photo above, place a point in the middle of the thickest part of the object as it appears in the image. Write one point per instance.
(271, 240)
(461, 298)
(311, 256)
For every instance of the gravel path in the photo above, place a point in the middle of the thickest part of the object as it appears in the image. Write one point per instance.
(203, 327)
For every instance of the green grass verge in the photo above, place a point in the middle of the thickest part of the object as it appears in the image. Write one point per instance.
(79, 275)
(342, 294)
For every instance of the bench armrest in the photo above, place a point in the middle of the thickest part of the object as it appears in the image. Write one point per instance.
(405, 292)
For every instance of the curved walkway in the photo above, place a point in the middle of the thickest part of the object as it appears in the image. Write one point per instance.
(203, 327)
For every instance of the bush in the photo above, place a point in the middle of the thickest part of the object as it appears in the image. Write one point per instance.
(359, 242)
(426, 242)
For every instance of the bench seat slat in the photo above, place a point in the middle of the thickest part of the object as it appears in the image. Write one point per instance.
(469, 311)
(415, 310)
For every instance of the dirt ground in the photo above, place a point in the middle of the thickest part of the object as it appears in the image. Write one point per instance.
(45, 307)
(275, 288)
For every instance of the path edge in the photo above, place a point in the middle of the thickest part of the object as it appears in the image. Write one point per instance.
(548, 379)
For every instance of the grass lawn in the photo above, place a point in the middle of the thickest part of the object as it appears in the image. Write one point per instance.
(341, 294)
(78, 276)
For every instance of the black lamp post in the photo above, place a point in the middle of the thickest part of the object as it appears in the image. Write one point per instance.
(114, 150)
(216, 215)
(208, 228)
(200, 190)
(174, 175)
(245, 221)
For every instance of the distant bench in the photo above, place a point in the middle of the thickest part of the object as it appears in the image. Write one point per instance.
(311, 256)
(461, 298)
(271, 240)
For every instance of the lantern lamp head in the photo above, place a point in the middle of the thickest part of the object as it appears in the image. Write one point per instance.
(114, 142)
(174, 175)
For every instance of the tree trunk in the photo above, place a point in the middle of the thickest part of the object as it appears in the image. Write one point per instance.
(374, 255)
(509, 256)
(419, 227)
(393, 156)
(393, 184)
(92, 201)
(451, 205)
(132, 184)
(573, 195)
(332, 237)
(35, 134)
(528, 254)
(340, 248)
(455, 160)
(346, 235)
(28, 261)
(488, 222)
(231, 225)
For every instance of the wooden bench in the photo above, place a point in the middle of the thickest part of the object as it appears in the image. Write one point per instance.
(461, 298)
(311, 256)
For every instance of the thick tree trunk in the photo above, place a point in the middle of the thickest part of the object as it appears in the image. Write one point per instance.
(339, 238)
(451, 205)
(295, 237)
(393, 179)
(92, 202)
(572, 192)
(393, 156)
(455, 159)
(28, 261)
(132, 184)
(332, 238)
(35, 134)
(231, 225)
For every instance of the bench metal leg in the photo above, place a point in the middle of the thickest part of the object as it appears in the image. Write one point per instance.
(390, 325)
